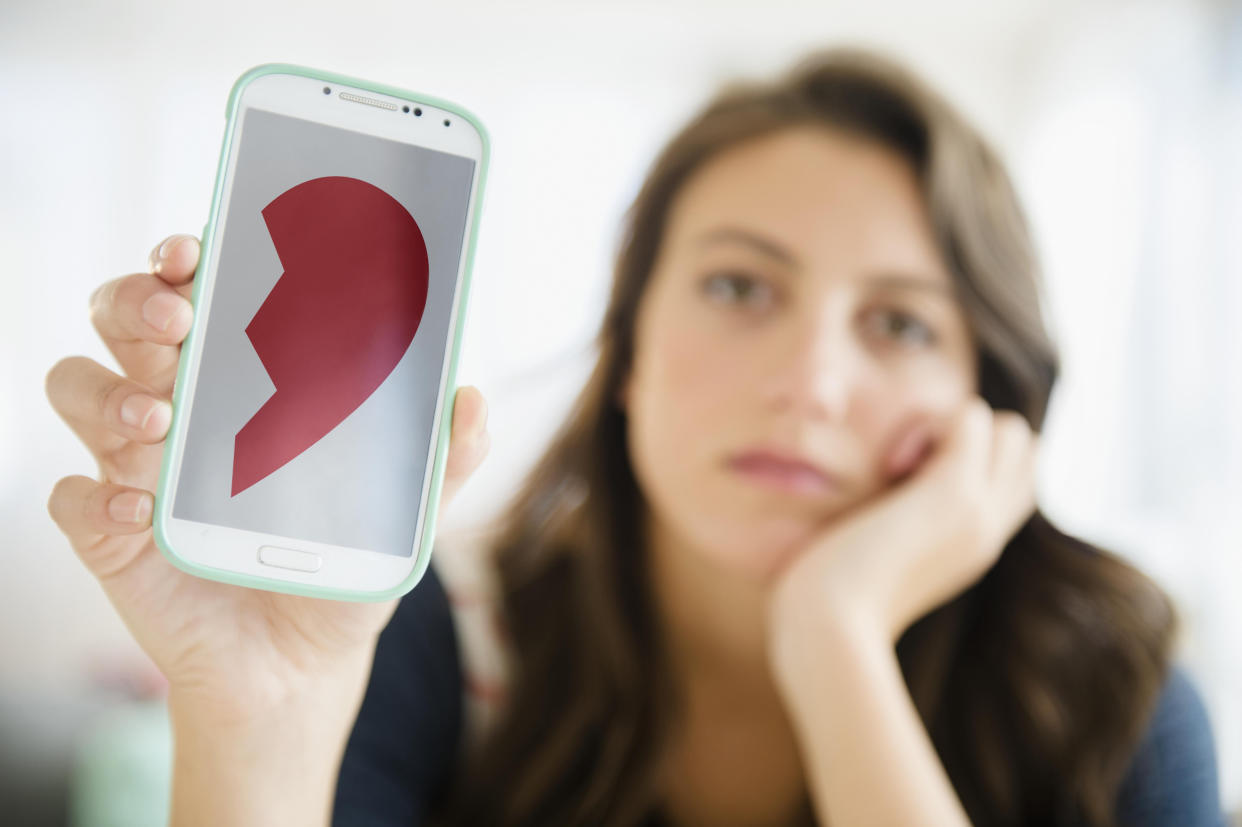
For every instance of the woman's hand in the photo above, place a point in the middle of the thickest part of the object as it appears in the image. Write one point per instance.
(912, 548)
(838, 608)
(227, 651)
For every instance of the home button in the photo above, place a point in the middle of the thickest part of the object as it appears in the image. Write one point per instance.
(289, 558)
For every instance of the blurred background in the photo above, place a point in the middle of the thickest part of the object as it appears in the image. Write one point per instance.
(1121, 121)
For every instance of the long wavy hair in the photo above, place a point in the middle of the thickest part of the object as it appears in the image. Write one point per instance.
(1035, 684)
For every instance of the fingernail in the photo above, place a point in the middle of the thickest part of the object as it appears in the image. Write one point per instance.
(139, 410)
(130, 507)
(160, 310)
(164, 251)
(167, 246)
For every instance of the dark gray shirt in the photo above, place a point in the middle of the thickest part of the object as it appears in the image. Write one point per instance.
(404, 745)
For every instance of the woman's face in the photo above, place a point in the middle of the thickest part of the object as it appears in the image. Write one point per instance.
(798, 305)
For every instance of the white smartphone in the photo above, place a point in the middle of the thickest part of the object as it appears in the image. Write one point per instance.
(314, 393)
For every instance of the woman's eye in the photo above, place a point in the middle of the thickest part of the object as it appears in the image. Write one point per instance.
(733, 288)
(901, 327)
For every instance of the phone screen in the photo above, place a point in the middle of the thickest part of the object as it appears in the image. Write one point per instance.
(326, 335)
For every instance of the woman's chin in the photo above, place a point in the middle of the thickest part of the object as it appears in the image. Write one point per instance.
(760, 552)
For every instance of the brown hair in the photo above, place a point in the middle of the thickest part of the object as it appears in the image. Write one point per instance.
(1034, 684)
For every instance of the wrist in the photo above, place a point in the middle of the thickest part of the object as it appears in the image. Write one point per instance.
(265, 759)
(235, 686)
(828, 629)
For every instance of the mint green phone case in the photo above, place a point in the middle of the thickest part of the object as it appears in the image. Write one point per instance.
(162, 501)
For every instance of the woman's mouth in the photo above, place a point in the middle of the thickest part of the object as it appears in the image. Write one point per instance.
(782, 473)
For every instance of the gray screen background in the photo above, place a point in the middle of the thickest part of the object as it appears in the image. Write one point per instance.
(361, 484)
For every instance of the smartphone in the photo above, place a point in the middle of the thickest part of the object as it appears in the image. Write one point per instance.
(314, 392)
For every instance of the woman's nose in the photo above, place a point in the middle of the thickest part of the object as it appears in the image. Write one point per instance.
(816, 369)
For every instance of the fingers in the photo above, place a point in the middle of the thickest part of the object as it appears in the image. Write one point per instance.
(88, 511)
(963, 457)
(986, 458)
(104, 409)
(469, 440)
(1012, 473)
(989, 462)
(144, 317)
(140, 308)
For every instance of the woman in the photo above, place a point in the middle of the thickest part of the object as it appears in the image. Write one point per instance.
(781, 565)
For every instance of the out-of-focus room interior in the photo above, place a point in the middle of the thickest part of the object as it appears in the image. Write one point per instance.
(1122, 122)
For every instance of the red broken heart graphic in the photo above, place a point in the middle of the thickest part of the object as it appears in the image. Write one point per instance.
(339, 319)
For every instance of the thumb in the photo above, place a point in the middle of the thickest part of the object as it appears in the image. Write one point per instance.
(469, 440)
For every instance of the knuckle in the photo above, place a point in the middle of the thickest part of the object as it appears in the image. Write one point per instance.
(60, 372)
(1012, 422)
(60, 503)
(102, 299)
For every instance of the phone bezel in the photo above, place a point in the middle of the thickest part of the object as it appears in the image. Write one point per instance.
(231, 554)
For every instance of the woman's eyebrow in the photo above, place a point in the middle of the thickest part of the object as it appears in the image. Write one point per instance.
(890, 280)
(901, 281)
(752, 239)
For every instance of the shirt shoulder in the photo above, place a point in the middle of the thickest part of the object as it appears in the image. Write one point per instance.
(1172, 779)
(405, 741)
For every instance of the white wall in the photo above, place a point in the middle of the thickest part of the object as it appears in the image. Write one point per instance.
(109, 135)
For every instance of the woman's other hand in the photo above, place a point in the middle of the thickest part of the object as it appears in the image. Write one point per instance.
(958, 500)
